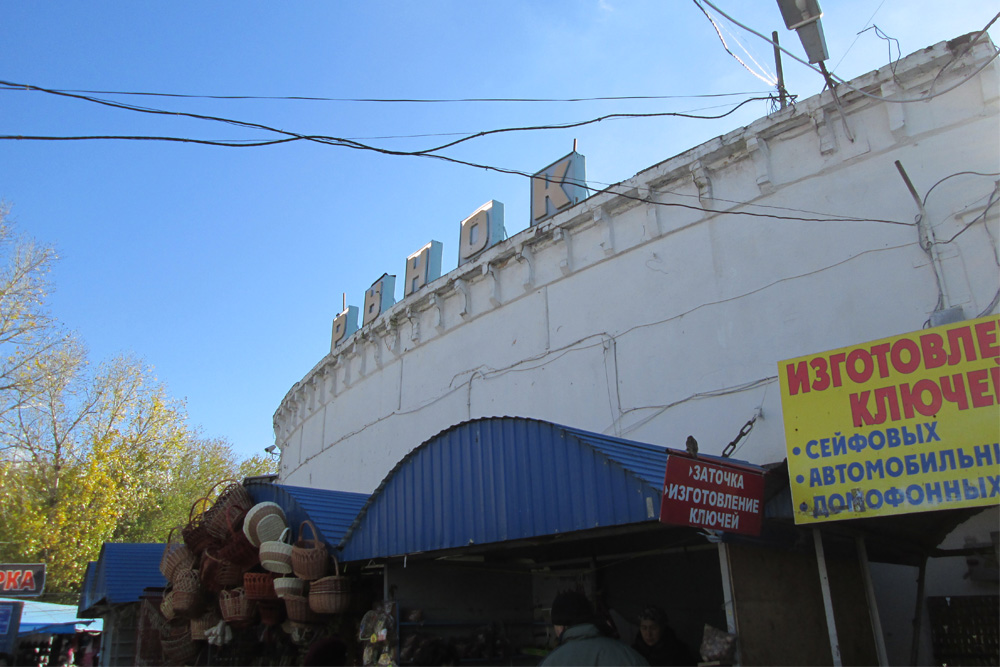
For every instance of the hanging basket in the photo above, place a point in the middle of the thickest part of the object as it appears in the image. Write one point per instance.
(276, 555)
(264, 522)
(151, 624)
(297, 608)
(259, 585)
(309, 556)
(176, 555)
(196, 536)
(233, 499)
(188, 595)
(289, 586)
(217, 573)
(199, 625)
(237, 548)
(167, 605)
(330, 595)
(237, 610)
(178, 649)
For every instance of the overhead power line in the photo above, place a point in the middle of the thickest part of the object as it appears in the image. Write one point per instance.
(402, 100)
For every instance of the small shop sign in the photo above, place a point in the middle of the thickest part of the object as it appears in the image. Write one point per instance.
(716, 496)
(20, 580)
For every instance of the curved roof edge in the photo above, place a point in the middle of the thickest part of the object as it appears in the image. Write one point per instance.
(503, 478)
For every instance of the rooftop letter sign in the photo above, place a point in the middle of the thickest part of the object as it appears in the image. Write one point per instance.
(379, 297)
(481, 230)
(344, 324)
(558, 186)
(422, 267)
(895, 426)
(712, 495)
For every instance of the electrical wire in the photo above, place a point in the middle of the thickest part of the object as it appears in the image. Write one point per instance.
(429, 153)
(957, 173)
(858, 35)
(770, 80)
(923, 98)
(355, 144)
(28, 88)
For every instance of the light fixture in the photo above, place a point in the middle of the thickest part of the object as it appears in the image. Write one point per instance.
(803, 16)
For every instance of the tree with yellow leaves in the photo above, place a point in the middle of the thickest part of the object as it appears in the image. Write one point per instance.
(87, 455)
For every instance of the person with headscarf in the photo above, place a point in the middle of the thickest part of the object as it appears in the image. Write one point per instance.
(657, 643)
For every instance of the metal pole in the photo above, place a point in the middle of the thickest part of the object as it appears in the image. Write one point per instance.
(777, 65)
(824, 582)
(883, 658)
(918, 614)
(728, 601)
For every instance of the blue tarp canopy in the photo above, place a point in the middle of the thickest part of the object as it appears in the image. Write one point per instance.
(508, 478)
(52, 619)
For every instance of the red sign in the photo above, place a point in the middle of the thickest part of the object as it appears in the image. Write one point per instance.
(712, 495)
(22, 580)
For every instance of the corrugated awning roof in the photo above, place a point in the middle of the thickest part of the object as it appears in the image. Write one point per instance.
(120, 574)
(507, 478)
(330, 511)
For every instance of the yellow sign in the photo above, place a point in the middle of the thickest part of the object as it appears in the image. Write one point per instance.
(895, 426)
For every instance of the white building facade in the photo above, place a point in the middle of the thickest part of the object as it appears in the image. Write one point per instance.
(659, 308)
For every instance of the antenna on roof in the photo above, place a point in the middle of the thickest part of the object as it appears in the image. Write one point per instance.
(574, 145)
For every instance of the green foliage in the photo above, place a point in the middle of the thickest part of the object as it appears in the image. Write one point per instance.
(87, 455)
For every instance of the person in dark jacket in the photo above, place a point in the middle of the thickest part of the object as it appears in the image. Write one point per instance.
(580, 642)
(657, 643)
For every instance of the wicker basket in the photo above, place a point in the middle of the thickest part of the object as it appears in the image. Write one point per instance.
(167, 605)
(176, 555)
(289, 586)
(297, 608)
(237, 610)
(259, 585)
(276, 555)
(188, 595)
(233, 500)
(309, 556)
(237, 548)
(196, 536)
(330, 595)
(204, 622)
(217, 573)
(264, 522)
(178, 649)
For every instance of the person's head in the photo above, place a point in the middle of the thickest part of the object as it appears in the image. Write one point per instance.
(570, 608)
(652, 620)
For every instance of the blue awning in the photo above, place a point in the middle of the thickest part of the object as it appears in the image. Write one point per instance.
(119, 576)
(508, 478)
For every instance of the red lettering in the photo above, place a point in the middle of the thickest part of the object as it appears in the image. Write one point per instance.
(28, 583)
(912, 351)
(978, 387)
(881, 355)
(822, 380)
(986, 336)
(932, 347)
(798, 378)
(867, 366)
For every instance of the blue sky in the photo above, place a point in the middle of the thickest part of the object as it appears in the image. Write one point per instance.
(223, 267)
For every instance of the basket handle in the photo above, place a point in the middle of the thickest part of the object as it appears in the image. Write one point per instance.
(191, 514)
(312, 527)
(286, 536)
(336, 565)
